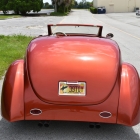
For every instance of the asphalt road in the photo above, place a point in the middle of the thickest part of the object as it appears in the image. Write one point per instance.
(126, 30)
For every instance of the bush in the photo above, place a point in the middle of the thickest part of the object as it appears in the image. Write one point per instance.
(93, 10)
(21, 6)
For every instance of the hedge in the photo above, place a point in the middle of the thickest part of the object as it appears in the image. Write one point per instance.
(93, 10)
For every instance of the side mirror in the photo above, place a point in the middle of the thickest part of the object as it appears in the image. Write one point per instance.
(109, 35)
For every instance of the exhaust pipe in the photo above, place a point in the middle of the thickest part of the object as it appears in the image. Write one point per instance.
(47, 123)
(91, 125)
(40, 124)
(98, 125)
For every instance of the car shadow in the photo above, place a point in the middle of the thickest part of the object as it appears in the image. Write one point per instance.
(64, 130)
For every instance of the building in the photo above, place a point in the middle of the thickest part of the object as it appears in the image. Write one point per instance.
(117, 5)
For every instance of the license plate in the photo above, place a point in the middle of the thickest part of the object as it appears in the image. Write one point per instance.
(72, 88)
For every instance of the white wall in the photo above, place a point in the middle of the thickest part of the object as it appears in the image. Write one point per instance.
(95, 3)
(117, 5)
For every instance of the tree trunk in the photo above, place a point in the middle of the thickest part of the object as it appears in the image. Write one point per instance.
(55, 10)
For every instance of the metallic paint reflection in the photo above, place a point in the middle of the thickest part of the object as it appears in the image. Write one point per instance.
(33, 83)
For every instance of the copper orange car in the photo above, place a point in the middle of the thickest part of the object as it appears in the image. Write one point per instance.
(72, 74)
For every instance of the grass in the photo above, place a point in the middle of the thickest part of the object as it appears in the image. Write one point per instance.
(2, 17)
(11, 49)
(58, 14)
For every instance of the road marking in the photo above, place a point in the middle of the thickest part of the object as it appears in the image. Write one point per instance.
(59, 23)
(118, 29)
(54, 29)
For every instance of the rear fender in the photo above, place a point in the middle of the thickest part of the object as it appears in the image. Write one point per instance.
(12, 100)
(129, 101)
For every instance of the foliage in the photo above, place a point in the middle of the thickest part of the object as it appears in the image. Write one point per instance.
(62, 6)
(93, 10)
(3, 6)
(11, 49)
(82, 4)
(21, 6)
(47, 6)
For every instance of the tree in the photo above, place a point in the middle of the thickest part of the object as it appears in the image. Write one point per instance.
(62, 6)
(47, 6)
(82, 4)
(22, 6)
(3, 6)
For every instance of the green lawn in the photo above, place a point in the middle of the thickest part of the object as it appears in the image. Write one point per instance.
(11, 49)
(2, 17)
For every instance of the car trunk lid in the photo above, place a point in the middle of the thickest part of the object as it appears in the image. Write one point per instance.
(57, 63)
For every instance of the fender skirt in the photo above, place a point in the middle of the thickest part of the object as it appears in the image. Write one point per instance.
(12, 100)
(129, 101)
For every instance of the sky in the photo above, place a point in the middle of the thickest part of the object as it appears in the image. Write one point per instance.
(49, 1)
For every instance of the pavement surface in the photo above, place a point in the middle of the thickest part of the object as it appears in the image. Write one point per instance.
(26, 25)
(126, 30)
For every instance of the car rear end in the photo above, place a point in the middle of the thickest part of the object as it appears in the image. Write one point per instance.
(72, 78)
(138, 12)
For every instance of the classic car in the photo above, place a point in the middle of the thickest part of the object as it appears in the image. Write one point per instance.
(138, 12)
(72, 74)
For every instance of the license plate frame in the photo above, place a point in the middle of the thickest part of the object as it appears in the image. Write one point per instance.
(72, 88)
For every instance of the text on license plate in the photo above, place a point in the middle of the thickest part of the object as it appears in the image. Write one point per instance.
(72, 88)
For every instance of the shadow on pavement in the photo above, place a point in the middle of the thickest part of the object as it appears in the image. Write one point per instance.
(62, 130)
